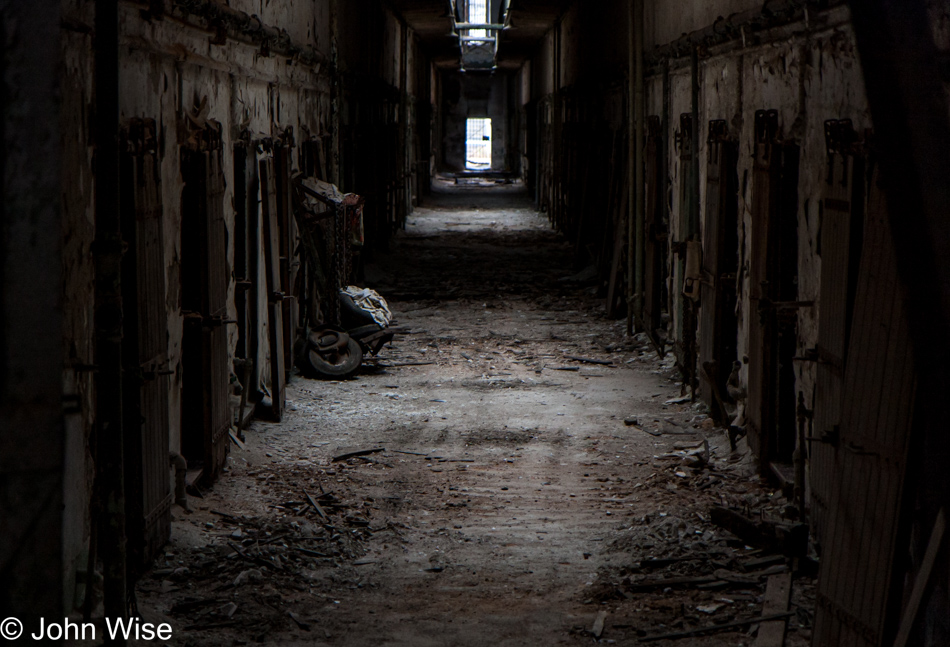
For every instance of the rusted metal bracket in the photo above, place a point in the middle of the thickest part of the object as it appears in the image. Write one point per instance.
(800, 455)
(151, 374)
(830, 437)
(859, 450)
(766, 126)
(840, 136)
(72, 404)
(684, 136)
(718, 131)
(808, 355)
(767, 304)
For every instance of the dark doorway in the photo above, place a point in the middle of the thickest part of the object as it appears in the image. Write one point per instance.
(770, 411)
(289, 260)
(718, 322)
(687, 232)
(655, 236)
(275, 294)
(145, 346)
(205, 371)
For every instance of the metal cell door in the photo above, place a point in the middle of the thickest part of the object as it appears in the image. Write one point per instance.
(718, 323)
(857, 594)
(289, 261)
(655, 236)
(218, 278)
(842, 224)
(682, 331)
(275, 295)
(145, 347)
(206, 416)
(770, 410)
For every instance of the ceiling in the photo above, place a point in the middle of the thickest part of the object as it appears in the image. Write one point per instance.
(432, 22)
(527, 20)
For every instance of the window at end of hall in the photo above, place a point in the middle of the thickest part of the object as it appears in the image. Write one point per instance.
(478, 144)
(477, 13)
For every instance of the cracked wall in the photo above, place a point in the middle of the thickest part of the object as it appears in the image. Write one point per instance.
(172, 62)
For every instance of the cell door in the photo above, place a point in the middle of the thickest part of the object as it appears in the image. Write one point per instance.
(858, 599)
(655, 235)
(842, 226)
(718, 324)
(684, 325)
(145, 347)
(289, 261)
(275, 294)
(206, 415)
(773, 278)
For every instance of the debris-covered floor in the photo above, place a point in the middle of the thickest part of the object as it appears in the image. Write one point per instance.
(522, 474)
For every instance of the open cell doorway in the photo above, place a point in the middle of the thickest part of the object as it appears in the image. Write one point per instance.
(478, 145)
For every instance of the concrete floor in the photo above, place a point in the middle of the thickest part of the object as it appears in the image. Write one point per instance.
(509, 503)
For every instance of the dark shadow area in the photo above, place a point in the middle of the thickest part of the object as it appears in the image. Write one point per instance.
(474, 243)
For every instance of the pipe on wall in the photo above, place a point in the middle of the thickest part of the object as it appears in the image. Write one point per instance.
(743, 26)
(238, 25)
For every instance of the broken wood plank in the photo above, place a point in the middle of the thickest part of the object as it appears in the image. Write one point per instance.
(778, 593)
(300, 623)
(365, 562)
(361, 452)
(229, 517)
(590, 360)
(763, 562)
(790, 539)
(663, 562)
(316, 506)
(309, 553)
(700, 631)
(193, 605)
(254, 560)
(598, 629)
(720, 575)
(646, 585)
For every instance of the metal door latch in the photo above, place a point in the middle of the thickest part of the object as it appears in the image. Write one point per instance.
(830, 437)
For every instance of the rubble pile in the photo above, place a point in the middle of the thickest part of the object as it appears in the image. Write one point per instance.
(260, 574)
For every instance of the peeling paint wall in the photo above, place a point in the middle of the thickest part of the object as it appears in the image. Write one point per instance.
(169, 69)
(175, 65)
(807, 70)
(809, 78)
(667, 20)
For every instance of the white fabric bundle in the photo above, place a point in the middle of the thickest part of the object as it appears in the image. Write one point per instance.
(372, 302)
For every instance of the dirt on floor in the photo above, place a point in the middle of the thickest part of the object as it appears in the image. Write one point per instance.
(521, 473)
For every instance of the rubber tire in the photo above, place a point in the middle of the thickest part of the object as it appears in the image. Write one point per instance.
(338, 365)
